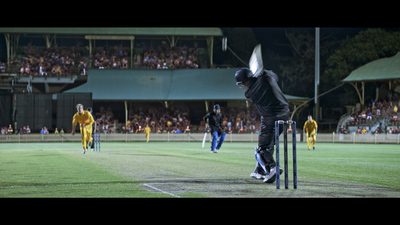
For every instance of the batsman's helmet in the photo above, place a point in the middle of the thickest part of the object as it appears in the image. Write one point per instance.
(242, 76)
(216, 106)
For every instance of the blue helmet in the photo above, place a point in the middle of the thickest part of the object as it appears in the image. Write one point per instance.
(242, 76)
(217, 109)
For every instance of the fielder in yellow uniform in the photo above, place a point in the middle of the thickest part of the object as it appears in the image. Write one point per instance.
(310, 128)
(147, 131)
(85, 120)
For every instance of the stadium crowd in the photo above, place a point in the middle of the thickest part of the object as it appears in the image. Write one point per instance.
(26, 130)
(161, 57)
(174, 120)
(375, 111)
(76, 60)
(59, 61)
(109, 57)
(165, 57)
(161, 120)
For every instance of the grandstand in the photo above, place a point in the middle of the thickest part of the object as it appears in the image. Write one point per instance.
(115, 71)
(378, 115)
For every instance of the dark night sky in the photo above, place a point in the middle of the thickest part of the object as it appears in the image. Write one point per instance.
(270, 36)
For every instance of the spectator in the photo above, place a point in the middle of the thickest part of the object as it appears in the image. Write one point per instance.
(343, 130)
(363, 117)
(396, 130)
(3, 130)
(138, 131)
(187, 130)
(394, 119)
(2, 67)
(23, 130)
(10, 129)
(378, 131)
(28, 130)
(369, 117)
(159, 130)
(105, 128)
(124, 63)
(229, 130)
(364, 130)
(81, 68)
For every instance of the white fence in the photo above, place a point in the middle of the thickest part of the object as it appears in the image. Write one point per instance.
(364, 138)
(198, 137)
(154, 137)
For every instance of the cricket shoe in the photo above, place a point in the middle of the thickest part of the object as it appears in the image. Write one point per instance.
(257, 176)
(84, 151)
(272, 175)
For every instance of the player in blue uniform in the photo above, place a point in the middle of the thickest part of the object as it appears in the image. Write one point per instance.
(216, 128)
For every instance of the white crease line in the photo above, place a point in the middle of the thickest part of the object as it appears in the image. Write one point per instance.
(165, 192)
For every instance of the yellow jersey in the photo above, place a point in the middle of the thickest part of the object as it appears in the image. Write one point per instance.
(364, 131)
(147, 130)
(310, 126)
(85, 118)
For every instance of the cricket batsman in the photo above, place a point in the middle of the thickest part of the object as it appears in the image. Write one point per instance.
(310, 128)
(272, 105)
(85, 120)
(216, 128)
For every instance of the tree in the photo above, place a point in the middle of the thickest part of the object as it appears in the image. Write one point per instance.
(298, 70)
(366, 46)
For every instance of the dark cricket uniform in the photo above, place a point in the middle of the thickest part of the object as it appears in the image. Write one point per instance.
(215, 123)
(94, 131)
(272, 105)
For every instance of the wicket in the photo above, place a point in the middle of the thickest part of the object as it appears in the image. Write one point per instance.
(97, 141)
(285, 153)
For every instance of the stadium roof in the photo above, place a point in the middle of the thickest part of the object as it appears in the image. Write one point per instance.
(378, 70)
(179, 31)
(183, 84)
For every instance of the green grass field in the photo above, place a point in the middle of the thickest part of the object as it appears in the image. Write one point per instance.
(172, 169)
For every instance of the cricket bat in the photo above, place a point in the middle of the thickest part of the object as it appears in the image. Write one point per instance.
(256, 63)
(204, 140)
